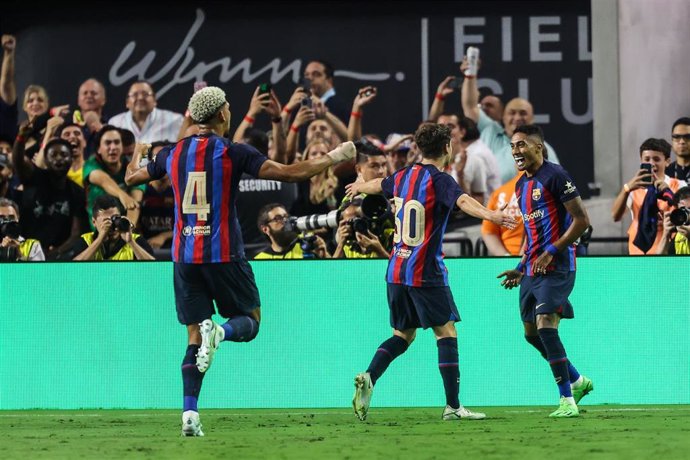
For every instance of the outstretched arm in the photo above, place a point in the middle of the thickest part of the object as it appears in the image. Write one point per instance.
(474, 208)
(303, 170)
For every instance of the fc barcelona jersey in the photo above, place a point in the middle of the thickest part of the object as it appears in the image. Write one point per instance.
(423, 198)
(544, 216)
(205, 172)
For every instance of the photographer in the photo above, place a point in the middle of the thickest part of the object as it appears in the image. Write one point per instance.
(14, 247)
(354, 237)
(677, 226)
(113, 238)
(285, 242)
(647, 194)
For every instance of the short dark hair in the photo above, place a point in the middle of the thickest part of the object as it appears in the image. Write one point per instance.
(470, 127)
(327, 67)
(104, 130)
(66, 125)
(432, 140)
(127, 137)
(681, 121)
(683, 193)
(658, 145)
(534, 131)
(262, 218)
(366, 149)
(257, 139)
(106, 202)
(57, 141)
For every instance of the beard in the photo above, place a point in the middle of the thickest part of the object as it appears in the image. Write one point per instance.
(284, 238)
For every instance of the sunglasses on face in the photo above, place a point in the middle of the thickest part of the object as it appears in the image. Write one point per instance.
(677, 137)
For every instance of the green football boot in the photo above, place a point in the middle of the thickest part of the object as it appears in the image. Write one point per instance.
(565, 410)
(583, 390)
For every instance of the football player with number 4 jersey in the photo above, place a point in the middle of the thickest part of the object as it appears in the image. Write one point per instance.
(207, 250)
(418, 291)
(554, 218)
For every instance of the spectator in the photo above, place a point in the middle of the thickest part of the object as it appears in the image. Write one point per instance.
(8, 182)
(355, 243)
(13, 246)
(35, 105)
(73, 133)
(476, 147)
(144, 118)
(680, 135)
(501, 241)
(285, 243)
(8, 90)
(104, 173)
(317, 195)
(113, 238)
(517, 112)
(675, 236)
(264, 102)
(319, 73)
(397, 149)
(468, 168)
(492, 106)
(52, 206)
(157, 209)
(646, 194)
(91, 100)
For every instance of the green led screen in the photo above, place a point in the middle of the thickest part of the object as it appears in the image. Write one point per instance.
(105, 335)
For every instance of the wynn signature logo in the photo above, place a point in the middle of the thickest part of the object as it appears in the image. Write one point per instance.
(181, 68)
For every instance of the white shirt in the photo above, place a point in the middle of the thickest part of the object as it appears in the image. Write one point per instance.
(493, 175)
(160, 125)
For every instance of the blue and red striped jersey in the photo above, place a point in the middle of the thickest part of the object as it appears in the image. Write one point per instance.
(205, 173)
(423, 198)
(541, 199)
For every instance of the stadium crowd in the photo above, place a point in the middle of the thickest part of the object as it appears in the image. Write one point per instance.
(63, 194)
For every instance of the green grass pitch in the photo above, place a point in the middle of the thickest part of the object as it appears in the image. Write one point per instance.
(602, 432)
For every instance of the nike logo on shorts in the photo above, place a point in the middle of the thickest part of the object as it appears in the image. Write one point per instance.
(540, 305)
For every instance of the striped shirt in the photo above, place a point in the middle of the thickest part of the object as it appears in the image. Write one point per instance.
(544, 216)
(424, 198)
(160, 125)
(205, 172)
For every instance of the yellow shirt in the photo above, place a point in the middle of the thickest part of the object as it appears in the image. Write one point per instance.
(76, 176)
(680, 244)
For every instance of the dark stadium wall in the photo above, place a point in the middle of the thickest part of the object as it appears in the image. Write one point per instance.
(537, 50)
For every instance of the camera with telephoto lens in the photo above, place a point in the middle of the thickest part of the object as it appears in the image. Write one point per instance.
(313, 221)
(375, 210)
(11, 229)
(120, 224)
(680, 216)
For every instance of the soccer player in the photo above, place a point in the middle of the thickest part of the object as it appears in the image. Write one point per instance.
(554, 217)
(207, 249)
(418, 292)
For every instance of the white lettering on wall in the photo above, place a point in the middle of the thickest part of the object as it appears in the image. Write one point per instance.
(584, 50)
(536, 37)
(462, 39)
(567, 103)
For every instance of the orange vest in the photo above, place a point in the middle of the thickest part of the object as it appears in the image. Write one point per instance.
(512, 239)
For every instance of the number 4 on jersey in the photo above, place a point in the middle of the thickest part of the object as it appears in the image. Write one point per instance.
(196, 187)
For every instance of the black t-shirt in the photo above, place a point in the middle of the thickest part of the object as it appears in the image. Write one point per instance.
(157, 212)
(110, 250)
(47, 210)
(679, 172)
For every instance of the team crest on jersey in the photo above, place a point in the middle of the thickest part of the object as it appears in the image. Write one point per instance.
(569, 188)
(536, 194)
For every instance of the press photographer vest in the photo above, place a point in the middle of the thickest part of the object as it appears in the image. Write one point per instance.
(25, 248)
(125, 253)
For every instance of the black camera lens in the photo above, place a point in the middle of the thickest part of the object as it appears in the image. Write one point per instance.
(10, 228)
(680, 216)
(121, 224)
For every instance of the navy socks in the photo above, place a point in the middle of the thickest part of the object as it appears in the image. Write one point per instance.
(385, 354)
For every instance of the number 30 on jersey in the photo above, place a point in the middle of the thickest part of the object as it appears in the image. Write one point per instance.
(412, 212)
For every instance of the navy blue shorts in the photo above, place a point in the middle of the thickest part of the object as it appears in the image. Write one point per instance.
(546, 294)
(413, 307)
(231, 285)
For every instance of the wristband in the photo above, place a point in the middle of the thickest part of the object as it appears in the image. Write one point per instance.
(469, 76)
(249, 119)
(626, 187)
(356, 114)
(19, 139)
(51, 112)
(439, 97)
(551, 249)
(520, 267)
(294, 129)
(286, 109)
(276, 120)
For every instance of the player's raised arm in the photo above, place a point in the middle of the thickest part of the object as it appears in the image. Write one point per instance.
(303, 170)
(136, 174)
(474, 208)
